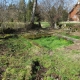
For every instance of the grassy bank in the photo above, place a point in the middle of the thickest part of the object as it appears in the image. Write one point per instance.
(18, 54)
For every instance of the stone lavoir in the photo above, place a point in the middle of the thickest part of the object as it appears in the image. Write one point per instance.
(74, 14)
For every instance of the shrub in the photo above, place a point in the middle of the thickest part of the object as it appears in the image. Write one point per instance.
(13, 25)
(18, 26)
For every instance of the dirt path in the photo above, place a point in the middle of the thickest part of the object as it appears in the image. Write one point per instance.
(75, 46)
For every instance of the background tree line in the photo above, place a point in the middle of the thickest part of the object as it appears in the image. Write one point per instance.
(19, 10)
(52, 11)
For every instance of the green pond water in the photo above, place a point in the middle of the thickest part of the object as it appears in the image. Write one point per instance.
(52, 42)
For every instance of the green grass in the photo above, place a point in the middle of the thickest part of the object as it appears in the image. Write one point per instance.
(65, 65)
(69, 22)
(45, 24)
(15, 59)
(20, 53)
(52, 42)
(17, 44)
(72, 36)
(76, 37)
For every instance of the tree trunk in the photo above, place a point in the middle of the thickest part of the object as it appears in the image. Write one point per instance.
(33, 12)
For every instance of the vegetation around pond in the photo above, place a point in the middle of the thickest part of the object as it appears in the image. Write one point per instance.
(73, 36)
(32, 45)
(18, 55)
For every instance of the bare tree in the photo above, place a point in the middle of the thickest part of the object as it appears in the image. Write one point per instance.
(22, 10)
(52, 11)
(8, 10)
(3, 10)
(12, 13)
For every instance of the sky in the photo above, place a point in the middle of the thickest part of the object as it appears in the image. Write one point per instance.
(9, 1)
(15, 1)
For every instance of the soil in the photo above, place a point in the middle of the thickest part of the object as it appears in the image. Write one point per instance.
(75, 46)
(37, 71)
(1, 71)
(75, 33)
(3, 49)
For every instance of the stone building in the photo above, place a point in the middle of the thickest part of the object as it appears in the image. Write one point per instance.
(74, 14)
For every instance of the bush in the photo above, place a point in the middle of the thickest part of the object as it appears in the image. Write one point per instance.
(74, 27)
(18, 26)
(13, 25)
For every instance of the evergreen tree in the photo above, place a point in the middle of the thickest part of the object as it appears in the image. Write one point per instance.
(22, 11)
(29, 9)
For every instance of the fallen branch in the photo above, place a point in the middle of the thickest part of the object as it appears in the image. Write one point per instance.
(69, 38)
